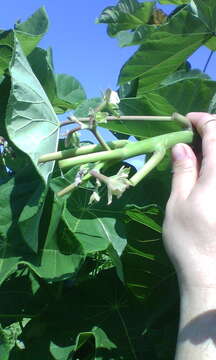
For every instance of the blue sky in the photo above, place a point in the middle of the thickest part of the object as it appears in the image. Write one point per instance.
(80, 47)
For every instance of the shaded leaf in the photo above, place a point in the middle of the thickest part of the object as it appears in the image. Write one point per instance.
(58, 256)
(206, 11)
(142, 215)
(111, 322)
(84, 108)
(6, 49)
(22, 203)
(69, 93)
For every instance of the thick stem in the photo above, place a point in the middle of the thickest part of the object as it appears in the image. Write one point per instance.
(132, 149)
(149, 165)
(89, 149)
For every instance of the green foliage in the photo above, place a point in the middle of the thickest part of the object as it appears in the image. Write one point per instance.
(83, 279)
(128, 14)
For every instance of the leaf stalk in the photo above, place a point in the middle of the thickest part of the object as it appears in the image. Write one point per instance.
(148, 166)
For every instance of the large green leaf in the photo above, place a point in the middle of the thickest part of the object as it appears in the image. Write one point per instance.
(41, 64)
(106, 312)
(84, 108)
(64, 91)
(127, 14)
(97, 319)
(60, 254)
(69, 93)
(22, 224)
(31, 123)
(31, 31)
(164, 101)
(95, 226)
(206, 11)
(165, 50)
(21, 207)
(202, 90)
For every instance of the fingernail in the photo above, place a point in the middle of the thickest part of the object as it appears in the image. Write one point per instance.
(179, 152)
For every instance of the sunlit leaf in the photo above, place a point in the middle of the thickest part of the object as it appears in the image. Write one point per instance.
(206, 11)
(31, 123)
(127, 14)
(164, 50)
(69, 93)
(31, 31)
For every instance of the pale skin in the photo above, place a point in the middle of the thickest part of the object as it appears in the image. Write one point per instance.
(189, 234)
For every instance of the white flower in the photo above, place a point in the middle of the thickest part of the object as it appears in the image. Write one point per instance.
(111, 97)
(118, 183)
(95, 197)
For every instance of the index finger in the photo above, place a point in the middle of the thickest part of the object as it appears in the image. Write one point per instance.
(205, 124)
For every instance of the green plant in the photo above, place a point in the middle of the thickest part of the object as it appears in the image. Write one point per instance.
(81, 279)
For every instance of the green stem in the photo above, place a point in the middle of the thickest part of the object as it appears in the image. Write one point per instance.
(89, 149)
(100, 139)
(72, 119)
(67, 189)
(182, 120)
(132, 149)
(149, 165)
(122, 118)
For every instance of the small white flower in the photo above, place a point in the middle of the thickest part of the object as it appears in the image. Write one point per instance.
(118, 183)
(95, 197)
(111, 97)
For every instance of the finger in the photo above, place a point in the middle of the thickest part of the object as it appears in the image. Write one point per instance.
(185, 171)
(206, 126)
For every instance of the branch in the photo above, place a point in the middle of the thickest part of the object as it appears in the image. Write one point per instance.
(148, 166)
(100, 139)
(122, 118)
(89, 149)
(132, 149)
(175, 117)
(70, 188)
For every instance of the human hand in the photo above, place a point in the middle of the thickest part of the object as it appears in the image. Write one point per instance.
(189, 229)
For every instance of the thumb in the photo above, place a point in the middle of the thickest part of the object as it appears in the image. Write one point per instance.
(185, 170)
